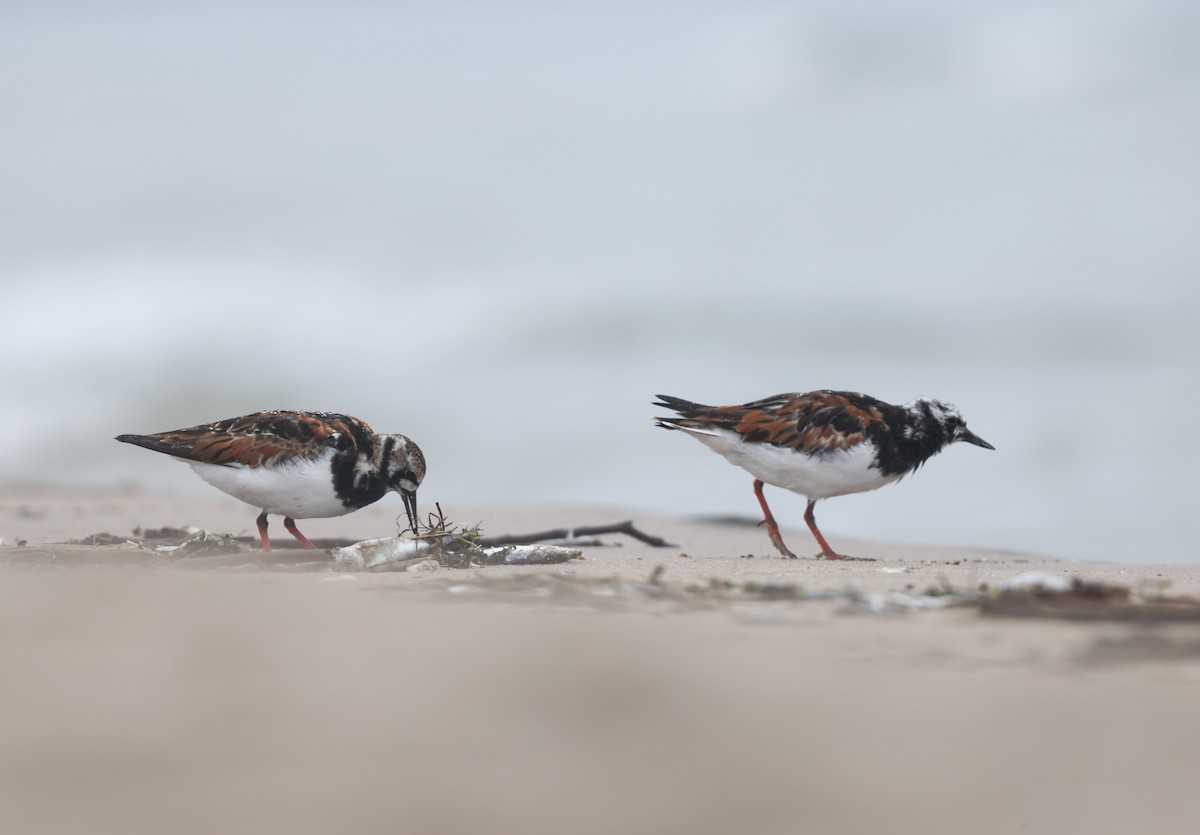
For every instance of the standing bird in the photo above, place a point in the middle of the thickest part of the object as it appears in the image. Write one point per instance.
(821, 444)
(298, 465)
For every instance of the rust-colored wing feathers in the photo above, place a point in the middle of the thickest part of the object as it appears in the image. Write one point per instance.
(250, 450)
(815, 423)
(257, 439)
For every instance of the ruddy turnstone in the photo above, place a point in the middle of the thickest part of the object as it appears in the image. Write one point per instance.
(298, 465)
(822, 443)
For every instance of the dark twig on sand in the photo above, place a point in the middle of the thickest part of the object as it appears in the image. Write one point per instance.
(626, 528)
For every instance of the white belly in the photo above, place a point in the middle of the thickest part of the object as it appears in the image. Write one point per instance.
(301, 489)
(816, 476)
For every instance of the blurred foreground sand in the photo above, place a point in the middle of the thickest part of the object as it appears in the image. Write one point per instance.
(162, 700)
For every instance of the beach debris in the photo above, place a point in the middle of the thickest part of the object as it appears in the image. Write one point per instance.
(902, 602)
(374, 553)
(1037, 581)
(165, 532)
(100, 539)
(204, 544)
(450, 545)
(528, 555)
(1078, 599)
(453, 546)
(713, 590)
(443, 544)
(617, 587)
(565, 534)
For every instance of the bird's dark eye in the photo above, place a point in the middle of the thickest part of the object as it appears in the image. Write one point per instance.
(403, 478)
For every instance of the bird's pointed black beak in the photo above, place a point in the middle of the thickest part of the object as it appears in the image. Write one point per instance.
(970, 437)
(410, 507)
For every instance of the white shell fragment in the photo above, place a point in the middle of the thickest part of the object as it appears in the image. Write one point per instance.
(372, 552)
(530, 555)
(1037, 581)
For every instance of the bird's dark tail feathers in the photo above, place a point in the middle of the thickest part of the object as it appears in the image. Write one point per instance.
(686, 409)
(157, 444)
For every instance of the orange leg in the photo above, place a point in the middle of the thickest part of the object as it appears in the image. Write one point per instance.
(826, 552)
(262, 531)
(772, 528)
(290, 524)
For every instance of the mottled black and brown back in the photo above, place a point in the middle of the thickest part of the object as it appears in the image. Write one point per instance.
(262, 438)
(814, 422)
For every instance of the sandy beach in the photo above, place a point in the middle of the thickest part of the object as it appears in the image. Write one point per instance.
(145, 695)
(506, 231)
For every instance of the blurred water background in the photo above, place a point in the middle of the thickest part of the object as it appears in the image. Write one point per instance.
(502, 228)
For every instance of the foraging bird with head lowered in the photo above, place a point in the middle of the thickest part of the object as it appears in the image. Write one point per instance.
(298, 465)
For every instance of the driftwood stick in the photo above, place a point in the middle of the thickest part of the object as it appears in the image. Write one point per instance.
(523, 538)
(626, 528)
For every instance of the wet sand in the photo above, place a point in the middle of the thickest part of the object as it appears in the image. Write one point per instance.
(158, 698)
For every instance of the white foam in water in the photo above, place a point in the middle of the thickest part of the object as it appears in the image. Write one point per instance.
(480, 231)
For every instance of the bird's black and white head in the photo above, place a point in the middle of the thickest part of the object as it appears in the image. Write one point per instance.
(403, 467)
(937, 417)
